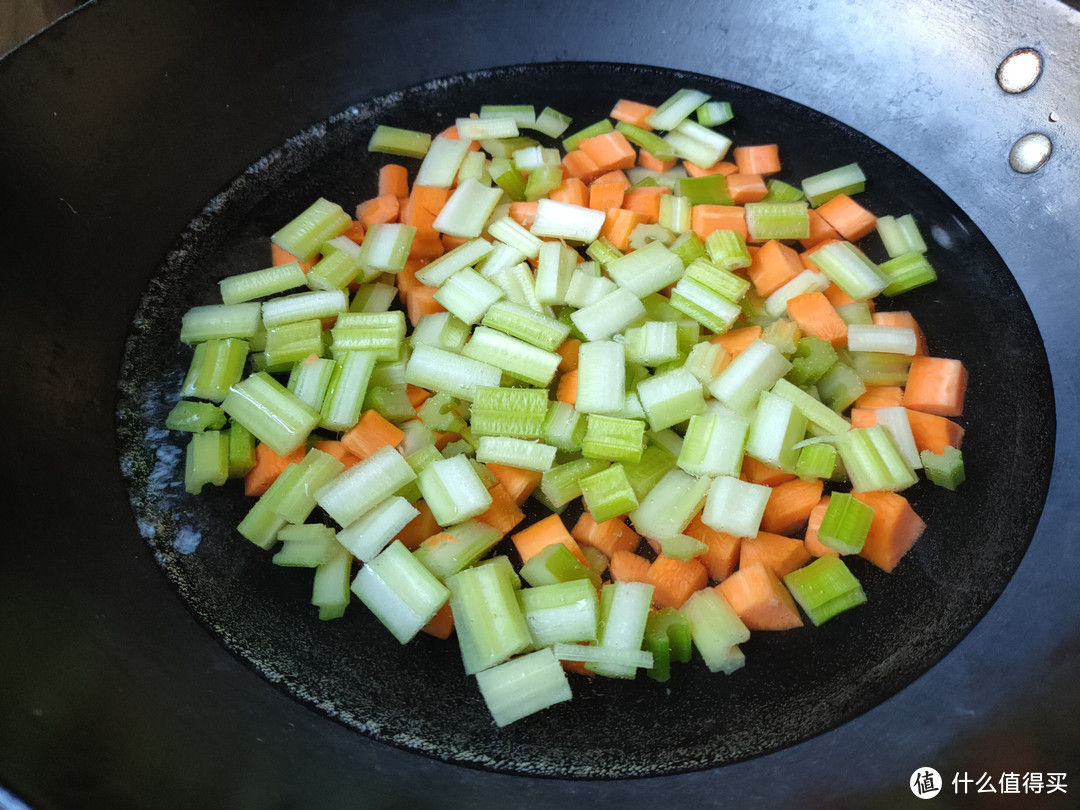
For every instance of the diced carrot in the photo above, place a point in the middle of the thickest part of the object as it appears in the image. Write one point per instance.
(820, 231)
(355, 232)
(609, 150)
(816, 316)
(603, 196)
(504, 513)
(619, 223)
(335, 448)
(523, 213)
(837, 297)
(566, 391)
(779, 553)
(632, 112)
(406, 280)
(421, 302)
(704, 219)
(426, 247)
(723, 167)
(517, 482)
(863, 417)
(789, 505)
(615, 176)
(378, 210)
(745, 188)
(934, 433)
(936, 385)
(880, 396)
(847, 217)
(533, 539)
(268, 466)
(626, 566)
(280, 256)
(417, 395)
(810, 539)
(573, 191)
(441, 624)
(735, 340)
(394, 179)
(758, 472)
(760, 599)
(608, 536)
(371, 433)
(774, 266)
(645, 200)
(577, 163)
(758, 159)
(894, 528)
(647, 160)
(902, 318)
(450, 242)
(722, 554)
(675, 581)
(423, 205)
(568, 350)
(443, 439)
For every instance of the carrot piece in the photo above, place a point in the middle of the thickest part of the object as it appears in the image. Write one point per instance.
(645, 200)
(820, 231)
(405, 279)
(615, 176)
(936, 385)
(268, 466)
(421, 208)
(789, 505)
(608, 536)
(810, 539)
(838, 297)
(576, 163)
(609, 150)
(371, 433)
(704, 219)
(568, 350)
(420, 528)
(443, 439)
(603, 196)
(426, 247)
(780, 553)
(441, 624)
(335, 448)
(881, 396)
(378, 210)
(735, 340)
(626, 566)
(745, 188)
(758, 159)
(280, 256)
(903, 318)
(417, 395)
(863, 417)
(774, 266)
(421, 302)
(355, 232)
(758, 472)
(504, 513)
(934, 433)
(573, 191)
(674, 581)
(632, 112)
(760, 599)
(723, 167)
(847, 217)
(722, 554)
(647, 160)
(566, 391)
(619, 223)
(518, 483)
(816, 316)
(893, 530)
(523, 213)
(533, 539)
(394, 179)
(450, 242)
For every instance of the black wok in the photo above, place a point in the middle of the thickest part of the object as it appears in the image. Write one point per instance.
(116, 695)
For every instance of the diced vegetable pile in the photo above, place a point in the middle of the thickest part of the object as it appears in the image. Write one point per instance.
(676, 353)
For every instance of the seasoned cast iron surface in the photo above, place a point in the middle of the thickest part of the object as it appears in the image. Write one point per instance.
(796, 684)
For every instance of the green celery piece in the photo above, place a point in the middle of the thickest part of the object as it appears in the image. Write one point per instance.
(667, 637)
(675, 212)
(271, 412)
(945, 469)
(563, 427)
(613, 438)
(292, 342)
(840, 386)
(671, 397)
(560, 612)
(758, 367)
(524, 453)
(667, 508)
(382, 333)
(458, 547)
(330, 584)
(777, 220)
(608, 493)
(599, 128)
(241, 450)
(649, 141)
(646, 270)
(220, 321)
(260, 525)
(688, 247)
(716, 630)
(820, 188)
(333, 272)
(375, 529)
(522, 322)
(373, 297)
(453, 490)
(724, 282)
(775, 428)
(295, 501)
(855, 312)
(825, 588)
(519, 359)
(562, 483)
(554, 564)
(712, 310)
(216, 365)
(393, 403)
(487, 618)
(850, 269)
(446, 372)
(906, 272)
(727, 250)
(319, 222)
(523, 686)
(714, 444)
(881, 368)
(735, 506)
(714, 113)
(303, 306)
(206, 460)
(900, 235)
(656, 462)
(364, 485)
(779, 191)
(676, 108)
(602, 251)
(845, 524)
(195, 417)
(709, 189)
(542, 181)
(682, 547)
(551, 122)
(872, 460)
(816, 462)
(517, 412)
(821, 417)
(624, 611)
(346, 390)
(307, 545)
(812, 358)
(400, 591)
(243, 287)
(401, 142)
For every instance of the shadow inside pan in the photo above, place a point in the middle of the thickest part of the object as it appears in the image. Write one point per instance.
(795, 684)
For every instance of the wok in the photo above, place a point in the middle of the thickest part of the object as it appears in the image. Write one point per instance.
(116, 137)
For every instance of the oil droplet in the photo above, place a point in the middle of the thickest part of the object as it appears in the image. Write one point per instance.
(1030, 153)
(1019, 70)
(1053, 118)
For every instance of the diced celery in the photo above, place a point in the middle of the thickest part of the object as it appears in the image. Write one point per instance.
(195, 417)
(346, 390)
(714, 113)
(821, 417)
(670, 398)
(881, 368)
(330, 584)
(381, 333)
(373, 297)
(364, 485)
(716, 630)
(478, 129)
(602, 251)
(613, 438)
(906, 272)
(295, 499)
(396, 141)
(517, 236)
(779, 191)
(292, 342)
(570, 142)
(646, 270)
(562, 483)
(604, 656)
(813, 357)
(441, 330)
(609, 315)
(438, 370)
(260, 525)
(682, 547)
(563, 427)
(608, 493)
(271, 412)
(453, 491)
(840, 386)
(468, 209)
(717, 279)
(816, 462)
(849, 267)
(777, 220)
(714, 444)
(667, 637)
(667, 509)
(900, 235)
(219, 321)
(375, 529)
(624, 610)
(241, 450)
(400, 591)
(709, 189)
(488, 621)
(895, 419)
(560, 220)
(307, 545)
(261, 283)
(676, 108)
(601, 377)
(757, 368)
(440, 165)
(318, 223)
(820, 188)
(522, 453)
(734, 506)
(518, 412)
(825, 588)
(215, 366)
(652, 343)
(304, 306)
(551, 122)
(519, 359)
(335, 271)
(563, 612)
(945, 469)
(206, 460)
(845, 524)
(456, 548)
(709, 308)
(523, 686)
(872, 460)
(556, 563)
(675, 213)
(776, 427)
(808, 281)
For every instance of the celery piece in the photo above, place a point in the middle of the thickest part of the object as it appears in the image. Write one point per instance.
(294, 500)
(714, 444)
(900, 235)
(464, 255)
(709, 189)
(346, 390)
(779, 191)
(439, 370)
(601, 376)
(945, 469)
(667, 637)
(671, 397)
(705, 361)
(609, 315)
(757, 368)
(373, 297)
(467, 295)
(776, 427)
(556, 563)
(219, 322)
(364, 485)
(688, 247)
(305, 545)
(554, 269)
(271, 412)
(677, 107)
(881, 368)
(602, 126)
(510, 232)
(565, 612)
(849, 267)
(330, 584)
(425, 454)
(613, 438)
(522, 453)
(216, 365)
(487, 619)
(813, 357)
(195, 417)
(292, 342)
(373, 531)
(649, 141)
(656, 461)
(906, 272)
(560, 220)
(646, 270)
(563, 427)
(735, 506)
(393, 403)
(816, 462)
(667, 509)
(682, 547)
(206, 460)
(453, 491)
(478, 129)
(551, 122)
(517, 412)
(782, 334)
(820, 416)
(396, 141)
(440, 330)
(707, 307)
(777, 220)
(624, 610)
(881, 338)
(604, 656)
(845, 524)
(523, 686)
(380, 333)
(688, 147)
(825, 588)
(820, 188)
(386, 248)
(872, 460)
(541, 181)
(334, 272)
(318, 223)
(518, 320)
(675, 214)
(519, 285)
(717, 279)
(895, 420)
(717, 142)
(443, 413)
(716, 630)
(602, 251)
(508, 179)
(652, 344)
(562, 483)
(714, 113)
(241, 450)
(441, 162)
(727, 250)
(840, 386)
(456, 548)
(261, 283)
(402, 594)
(467, 211)
(260, 525)
(304, 306)
(808, 281)
(608, 493)
(519, 359)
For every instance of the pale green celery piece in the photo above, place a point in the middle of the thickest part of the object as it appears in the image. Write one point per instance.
(714, 444)
(667, 637)
(417, 436)
(604, 656)
(392, 403)
(304, 306)
(554, 269)
(346, 390)
(808, 281)
(386, 248)
(441, 330)
(906, 272)
(687, 147)
(845, 524)
(777, 220)
(295, 500)
(206, 460)
(900, 235)
(881, 338)
(816, 462)
(271, 412)
(873, 461)
(675, 213)
(519, 359)
(504, 148)
(895, 419)
(849, 267)
(601, 376)
(825, 588)
(733, 287)
(609, 493)
(668, 439)
(524, 453)
(456, 548)
(631, 409)
(705, 361)
(333, 272)
(585, 288)
(734, 506)
(389, 373)
(688, 247)
(467, 295)
(306, 545)
(376, 296)
(260, 525)
(523, 686)
(624, 610)
(505, 567)
(487, 619)
(776, 427)
(319, 222)
(565, 612)
(779, 191)
(465, 214)
(602, 251)
(330, 584)
(531, 158)
(646, 270)
(783, 334)
(478, 129)
(563, 427)
(599, 128)
(677, 107)
(292, 342)
(813, 357)
(400, 591)
(560, 220)
(397, 141)
(439, 370)
(215, 366)
(714, 113)
(464, 255)
(219, 322)
(442, 161)
(718, 142)
(443, 413)
(369, 534)
(727, 250)
(712, 310)
(652, 343)
(461, 447)
(519, 321)
(682, 547)
(613, 438)
(517, 412)
(671, 397)
(840, 386)
(757, 368)
(519, 286)
(820, 416)
(562, 483)
(340, 244)
(542, 181)
(423, 455)
(510, 232)
(551, 122)
(820, 188)
(635, 374)
(261, 283)
(945, 469)
(716, 630)
(709, 189)
(656, 462)
(453, 490)
(258, 363)
(364, 485)
(556, 563)
(649, 141)
(667, 509)
(241, 450)
(507, 179)
(881, 368)
(753, 309)
(855, 312)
